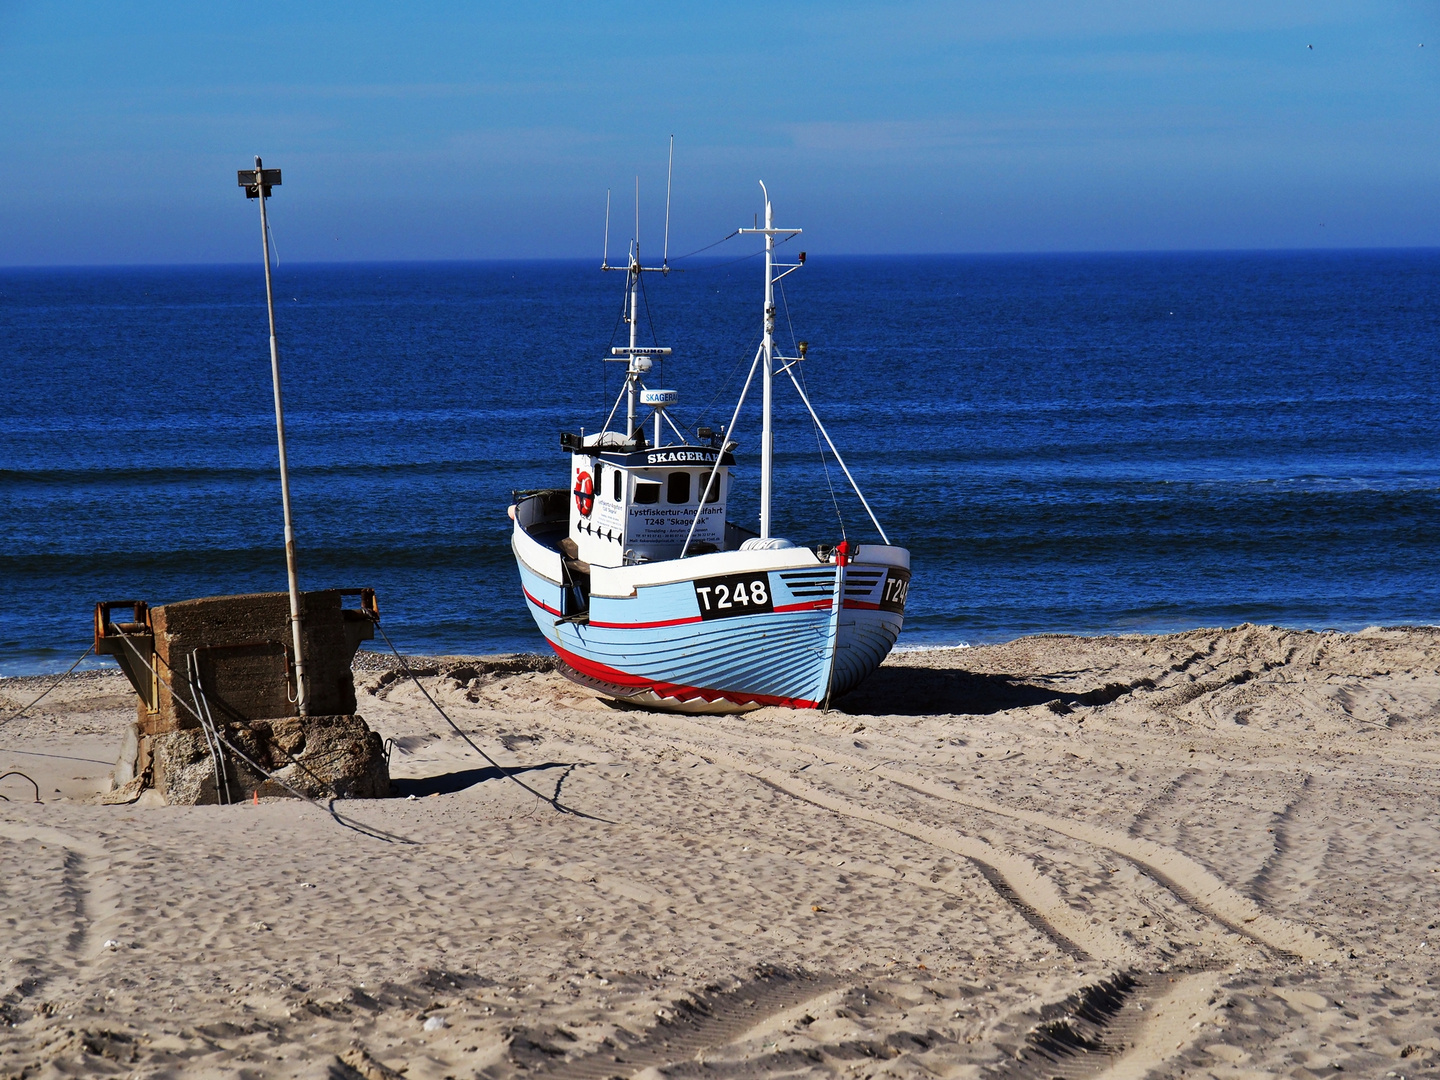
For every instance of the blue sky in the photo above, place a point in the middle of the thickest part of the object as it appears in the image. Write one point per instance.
(453, 131)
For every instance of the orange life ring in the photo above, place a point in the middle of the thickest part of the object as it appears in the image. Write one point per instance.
(584, 494)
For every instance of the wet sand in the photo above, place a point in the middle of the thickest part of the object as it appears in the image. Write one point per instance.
(1205, 854)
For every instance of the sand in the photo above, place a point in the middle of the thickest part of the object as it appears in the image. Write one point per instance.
(1205, 854)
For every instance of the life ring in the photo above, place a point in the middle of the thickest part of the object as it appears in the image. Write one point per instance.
(584, 494)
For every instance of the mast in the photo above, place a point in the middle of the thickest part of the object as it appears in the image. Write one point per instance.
(767, 437)
(638, 359)
(257, 183)
(633, 374)
(632, 279)
(767, 434)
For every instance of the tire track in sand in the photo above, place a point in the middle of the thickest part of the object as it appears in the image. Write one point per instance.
(1122, 1026)
(1173, 1023)
(1015, 878)
(703, 1020)
(85, 882)
(1185, 877)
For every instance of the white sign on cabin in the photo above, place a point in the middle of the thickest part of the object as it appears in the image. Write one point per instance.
(665, 525)
(618, 513)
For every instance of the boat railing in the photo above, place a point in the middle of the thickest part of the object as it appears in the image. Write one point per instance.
(541, 508)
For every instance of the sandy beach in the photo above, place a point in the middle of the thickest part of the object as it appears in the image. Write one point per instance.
(1214, 853)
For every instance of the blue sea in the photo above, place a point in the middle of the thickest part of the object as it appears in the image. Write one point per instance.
(1087, 444)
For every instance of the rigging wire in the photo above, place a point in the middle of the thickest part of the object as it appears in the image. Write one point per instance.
(725, 384)
(754, 338)
(604, 371)
(707, 247)
(329, 808)
(649, 316)
(554, 801)
(742, 258)
(57, 682)
(789, 370)
(729, 378)
(819, 448)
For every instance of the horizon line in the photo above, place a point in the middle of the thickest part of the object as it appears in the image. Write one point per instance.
(473, 261)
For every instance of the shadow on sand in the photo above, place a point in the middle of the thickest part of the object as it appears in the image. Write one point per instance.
(919, 691)
(451, 782)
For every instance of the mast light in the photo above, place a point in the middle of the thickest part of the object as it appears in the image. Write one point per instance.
(252, 180)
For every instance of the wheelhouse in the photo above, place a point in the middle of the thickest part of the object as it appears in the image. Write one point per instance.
(634, 504)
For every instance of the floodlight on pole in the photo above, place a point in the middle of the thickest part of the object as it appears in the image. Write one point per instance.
(257, 183)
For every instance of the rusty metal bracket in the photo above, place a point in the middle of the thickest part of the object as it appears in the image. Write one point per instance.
(123, 640)
(369, 609)
(360, 622)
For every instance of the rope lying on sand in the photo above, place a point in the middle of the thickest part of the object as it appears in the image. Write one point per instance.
(52, 686)
(27, 776)
(329, 807)
(554, 801)
(213, 730)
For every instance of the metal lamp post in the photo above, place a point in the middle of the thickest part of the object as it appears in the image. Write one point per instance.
(257, 183)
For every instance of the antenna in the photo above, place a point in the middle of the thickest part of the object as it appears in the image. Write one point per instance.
(637, 217)
(669, 174)
(605, 256)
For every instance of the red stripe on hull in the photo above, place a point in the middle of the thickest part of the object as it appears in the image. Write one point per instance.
(645, 625)
(623, 680)
(782, 609)
(539, 603)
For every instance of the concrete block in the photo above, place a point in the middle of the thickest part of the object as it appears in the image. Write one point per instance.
(322, 756)
(229, 658)
(241, 645)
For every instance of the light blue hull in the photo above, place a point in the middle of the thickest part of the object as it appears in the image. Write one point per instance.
(656, 646)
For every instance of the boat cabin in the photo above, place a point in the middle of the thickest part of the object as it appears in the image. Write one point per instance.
(632, 503)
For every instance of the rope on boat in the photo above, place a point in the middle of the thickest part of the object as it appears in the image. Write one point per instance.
(57, 682)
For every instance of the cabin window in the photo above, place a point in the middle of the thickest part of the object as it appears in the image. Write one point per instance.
(647, 491)
(599, 479)
(619, 485)
(712, 492)
(677, 488)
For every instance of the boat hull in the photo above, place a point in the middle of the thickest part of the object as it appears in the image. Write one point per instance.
(725, 632)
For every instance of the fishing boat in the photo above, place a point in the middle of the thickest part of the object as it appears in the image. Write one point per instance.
(646, 589)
